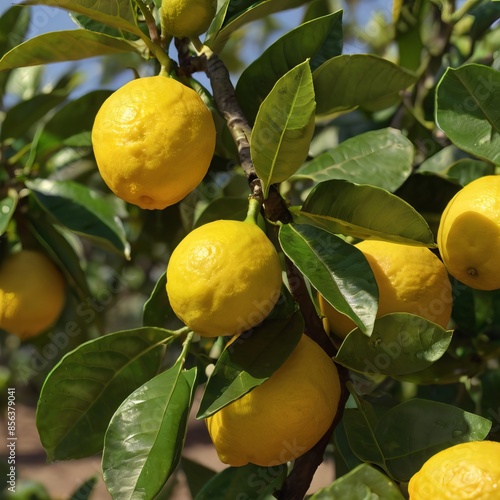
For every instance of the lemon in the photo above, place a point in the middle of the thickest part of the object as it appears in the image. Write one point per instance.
(153, 141)
(469, 234)
(466, 471)
(32, 293)
(282, 418)
(410, 279)
(224, 278)
(187, 18)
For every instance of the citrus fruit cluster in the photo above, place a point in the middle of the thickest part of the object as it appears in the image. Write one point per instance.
(32, 293)
(153, 141)
(465, 471)
(410, 279)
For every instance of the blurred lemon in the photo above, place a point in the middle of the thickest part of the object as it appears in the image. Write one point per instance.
(224, 278)
(187, 18)
(282, 418)
(469, 234)
(153, 141)
(410, 279)
(32, 293)
(466, 471)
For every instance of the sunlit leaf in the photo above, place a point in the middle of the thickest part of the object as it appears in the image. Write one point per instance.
(364, 212)
(284, 127)
(85, 388)
(338, 270)
(468, 109)
(145, 438)
(381, 158)
(400, 344)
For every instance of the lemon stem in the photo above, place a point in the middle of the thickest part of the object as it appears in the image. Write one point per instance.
(253, 210)
(197, 43)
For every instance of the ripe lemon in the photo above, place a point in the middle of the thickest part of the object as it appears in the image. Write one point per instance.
(469, 234)
(410, 279)
(224, 278)
(282, 418)
(153, 141)
(32, 293)
(466, 471)
(187, 18)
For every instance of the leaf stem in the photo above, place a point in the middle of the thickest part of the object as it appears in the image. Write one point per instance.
(254, 205)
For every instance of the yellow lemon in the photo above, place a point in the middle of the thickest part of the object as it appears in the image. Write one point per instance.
(282, 418)
(32, 293)
(466, 471)
(187, 18)
(469, 234)
(153, 141)
(410, 279)
(224, 278)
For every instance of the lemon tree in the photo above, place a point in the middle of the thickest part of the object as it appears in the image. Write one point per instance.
(278, 231)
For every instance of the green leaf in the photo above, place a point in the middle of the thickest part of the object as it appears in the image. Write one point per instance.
(25, 115)
(468, 170)
(338, 270)
(401, 343)
(7, 209)
(144, 441)
(75, 118)
(53, 239)
(197, 475)
(249, 481)
(85, 490)
(413, 431)
(364, 212)
(317, 40)
(227, 207)
(284, 127)
(82, 210)
(250, 360)
(346, 82)
(218, 20)
(85, 388)
(382, 158)
(115, 13)
(244, 15)
(363, 483)
(157, 310)
(59, 46)
(468, 109)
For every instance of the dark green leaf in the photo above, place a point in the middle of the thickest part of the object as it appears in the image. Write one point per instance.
(227, 207)
(317, 40)
(85, 490)
(74, 118)
(218, 20)
(85, 388)
(346, 82)
(250, 360)
(57, 245)
(338, 270)
(82, 210)
(14, 24)
(400, 344)
(7, 209)
(255, 10)
(157, 310)
(25, 115)
(413, 431)
(468, 109)
(197, 475)
(59, 46)
(249, 481)
(468, 170)
(284, 127)
(363, 483)
(144, 441)
(364, 212)
(382, 158)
